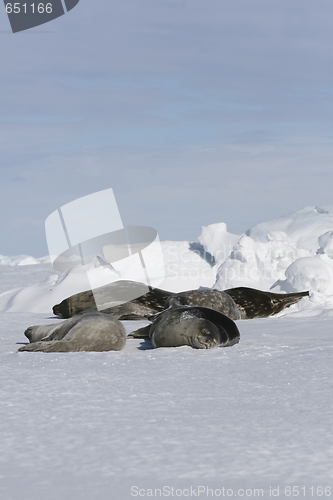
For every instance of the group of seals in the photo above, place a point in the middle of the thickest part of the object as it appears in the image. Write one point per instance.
(236, 303)
(198, 327)
(199, 318)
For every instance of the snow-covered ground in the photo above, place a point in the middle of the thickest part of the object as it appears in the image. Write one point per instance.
(256, 416)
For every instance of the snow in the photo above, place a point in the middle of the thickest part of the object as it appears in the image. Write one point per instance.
(253, 416)
(22, 260)
(314, 273)
(258, 264)
(91, 425)
(217, 242)
(326, 244)
(289, 254)
(304, 226)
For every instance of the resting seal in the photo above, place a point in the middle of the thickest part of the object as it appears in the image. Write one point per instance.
(253, 303)
(198, 327)
(213, 299)
(89, 332)
(142, 307)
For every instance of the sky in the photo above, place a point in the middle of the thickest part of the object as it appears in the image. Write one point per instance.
(193, 111)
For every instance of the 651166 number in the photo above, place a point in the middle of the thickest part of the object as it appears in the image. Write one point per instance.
(39, 9)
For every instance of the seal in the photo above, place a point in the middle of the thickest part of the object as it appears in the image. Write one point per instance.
(253, 303)
(89, 332)
(213, 299)
(145, 305)
(198, 327)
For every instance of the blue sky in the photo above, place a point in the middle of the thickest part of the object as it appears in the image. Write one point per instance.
(194, 112)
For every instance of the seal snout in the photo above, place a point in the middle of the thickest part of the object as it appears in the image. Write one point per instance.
(57, 310)
(28, 333)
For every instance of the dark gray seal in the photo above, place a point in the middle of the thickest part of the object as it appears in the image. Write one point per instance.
(145, 305)
(89, 332)
(253, 303)
(198, 327)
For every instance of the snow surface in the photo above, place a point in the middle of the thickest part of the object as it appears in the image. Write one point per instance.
(91, 425)
(257, 415)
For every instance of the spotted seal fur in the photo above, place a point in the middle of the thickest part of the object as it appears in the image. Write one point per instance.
(253, 303)
(213, 299)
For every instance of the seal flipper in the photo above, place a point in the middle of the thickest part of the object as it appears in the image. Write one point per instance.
(141, 333)
(171, 303)
(52, 346)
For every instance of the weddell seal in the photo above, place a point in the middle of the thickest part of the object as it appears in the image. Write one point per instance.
(198, 327)
(253, 303)
(146, 303)
(89, 332)
(212, 299)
